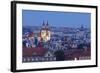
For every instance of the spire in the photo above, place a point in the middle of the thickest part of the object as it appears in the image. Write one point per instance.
(43, 23)
(47, 23)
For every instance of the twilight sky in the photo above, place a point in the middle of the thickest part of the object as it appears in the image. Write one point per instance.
(59, 19)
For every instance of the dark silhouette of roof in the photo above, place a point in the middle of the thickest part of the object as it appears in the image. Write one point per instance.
(39, 51)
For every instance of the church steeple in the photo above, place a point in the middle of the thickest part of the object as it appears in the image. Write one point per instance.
(47, 25)
(45, 32)
(43, 24)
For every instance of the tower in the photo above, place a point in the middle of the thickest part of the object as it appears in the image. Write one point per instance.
(45, 32)
(43, 25)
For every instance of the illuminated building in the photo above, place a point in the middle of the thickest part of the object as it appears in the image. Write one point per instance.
(45, 32)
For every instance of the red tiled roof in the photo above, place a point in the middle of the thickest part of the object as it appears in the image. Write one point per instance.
(39, 51)
(77, 53)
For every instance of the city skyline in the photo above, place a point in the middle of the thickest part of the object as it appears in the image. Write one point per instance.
(58, 19)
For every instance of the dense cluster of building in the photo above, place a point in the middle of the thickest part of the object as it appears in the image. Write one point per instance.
(45, 43)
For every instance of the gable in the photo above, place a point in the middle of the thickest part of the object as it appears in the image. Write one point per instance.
(49, 54)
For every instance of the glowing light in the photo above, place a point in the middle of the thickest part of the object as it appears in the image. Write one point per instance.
(45, 35)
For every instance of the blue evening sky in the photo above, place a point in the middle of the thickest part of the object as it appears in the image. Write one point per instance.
(58, 19)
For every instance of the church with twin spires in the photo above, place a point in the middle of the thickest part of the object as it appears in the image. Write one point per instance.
(45, 32)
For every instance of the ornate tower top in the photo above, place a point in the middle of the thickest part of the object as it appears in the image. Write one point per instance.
(45, 26)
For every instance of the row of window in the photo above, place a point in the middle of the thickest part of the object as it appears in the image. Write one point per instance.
(84, 58)
(37, 59)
